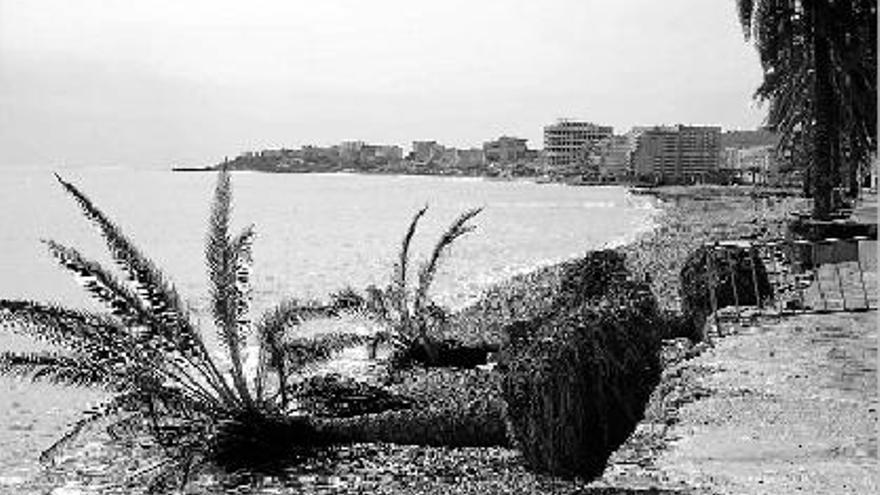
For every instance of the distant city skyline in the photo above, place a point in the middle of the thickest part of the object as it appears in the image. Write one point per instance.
(159, 83)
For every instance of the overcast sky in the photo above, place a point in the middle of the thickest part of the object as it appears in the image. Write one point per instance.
(155, 83)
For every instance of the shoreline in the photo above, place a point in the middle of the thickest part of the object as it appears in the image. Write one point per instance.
(678, 227)
(639, 464)
(635, 187)
(691, 218)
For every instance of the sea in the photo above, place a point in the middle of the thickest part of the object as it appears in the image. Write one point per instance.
(316, 234)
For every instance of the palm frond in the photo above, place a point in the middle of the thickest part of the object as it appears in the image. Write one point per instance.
(151, 337)
(99, 282)
(226, 297)
(104, 286)
(76, 330)
(242, 262)
(103, 347)
(59, 369)
(219, 259)
(377, 302)
(302, 352)
(401, 268)
(458, 228)
(148, 352)
(131, 402)
(161, 297)
(270, 329)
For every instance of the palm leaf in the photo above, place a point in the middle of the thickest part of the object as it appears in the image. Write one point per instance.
(123, 303)
(400, 268)
(59, 369)
(131, 402)
(152, 337)
(226, 298)
(101, 344)
(152, 287)
(75, 330)
(458, 228)
(270, 330)
(302, 352)
(242, 261)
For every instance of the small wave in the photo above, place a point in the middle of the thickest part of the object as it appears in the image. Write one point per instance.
(552, 205)
(598, 204)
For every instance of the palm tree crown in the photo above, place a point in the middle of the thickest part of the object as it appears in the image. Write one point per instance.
(820, 78)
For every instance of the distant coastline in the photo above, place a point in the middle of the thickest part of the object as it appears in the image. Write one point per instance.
(575, 180)
(660, 191)
(193, 169)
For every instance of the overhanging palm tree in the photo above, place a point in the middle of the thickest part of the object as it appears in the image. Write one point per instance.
(819, 61)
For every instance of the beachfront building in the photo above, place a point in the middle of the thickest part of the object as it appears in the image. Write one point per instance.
(748, 156)
(752, 165)
(677, 154)
(365, 154)
(426, 151)
(470, 158)
(447, 159)
(506, 149)
(565, 141)
(383, 152)
(350, 150)
(615, 155)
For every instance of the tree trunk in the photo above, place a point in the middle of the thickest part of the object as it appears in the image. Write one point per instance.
(447, 427)
(823, 152)
(853, 181)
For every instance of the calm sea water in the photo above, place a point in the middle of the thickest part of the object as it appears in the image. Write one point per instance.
(316, 234)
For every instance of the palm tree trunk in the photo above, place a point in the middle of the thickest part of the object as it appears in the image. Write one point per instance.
(443, 427)
(853, 179)
(823, 155)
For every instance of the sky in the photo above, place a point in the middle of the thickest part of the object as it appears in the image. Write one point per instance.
(157, 83)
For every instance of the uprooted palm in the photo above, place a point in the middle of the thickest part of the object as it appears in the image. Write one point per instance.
(155, 361)
(408, 311)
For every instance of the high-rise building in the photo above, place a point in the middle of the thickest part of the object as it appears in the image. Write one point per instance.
(677, 154)
(614, 158)
(566, 140)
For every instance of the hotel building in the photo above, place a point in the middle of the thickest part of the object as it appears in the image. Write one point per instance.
(677, 154)
(565, 141)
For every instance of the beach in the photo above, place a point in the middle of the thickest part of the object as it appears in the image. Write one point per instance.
(703, 428)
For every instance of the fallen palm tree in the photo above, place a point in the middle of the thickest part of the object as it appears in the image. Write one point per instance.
(414, 324)
(578, 376)
(166, 385)
(580, 355)
(572, 382)
(715, 277)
